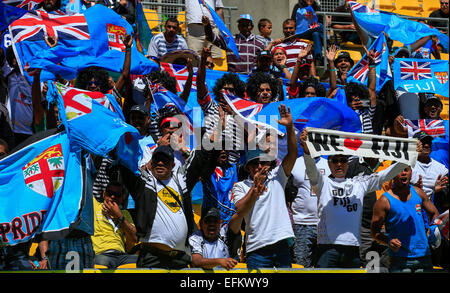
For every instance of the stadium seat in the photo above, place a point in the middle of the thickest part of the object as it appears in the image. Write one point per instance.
(355, 55)
(182, 19)
(221, 63)
(445, 102)
(152, 19)
(386, 5)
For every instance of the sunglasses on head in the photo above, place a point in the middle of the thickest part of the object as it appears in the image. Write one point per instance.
(341, 160)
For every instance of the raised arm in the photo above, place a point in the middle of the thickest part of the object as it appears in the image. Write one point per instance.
(188, 85)
(293, 87)
(331, 55)
(291, 156)
(202, 89)
(128, 41)
(314, 175)
(372, 81)
(245, 204)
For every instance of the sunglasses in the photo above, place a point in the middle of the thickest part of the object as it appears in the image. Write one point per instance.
(339, 160)
(255, 163)
(230, 89)
(210, 64)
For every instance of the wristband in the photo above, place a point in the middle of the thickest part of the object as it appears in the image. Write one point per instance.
(121, 220)
(333, 69)
(283, 67)
(127, 49)
(372, 65)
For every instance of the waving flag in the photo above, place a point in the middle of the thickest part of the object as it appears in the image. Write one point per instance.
(434, 128)
(312, 112)
(9, 14)
(360, 72)
(25, 4)
(374, 22)
(421, 75)
(83, 40)
(226, 34)
(306, 20)
(46, 178)
(95, 122)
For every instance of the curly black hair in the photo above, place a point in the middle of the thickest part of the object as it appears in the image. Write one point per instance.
(168, 82)
(99, 74)
(229, 78)
(312, 82)
(254, 82)
(353, 89)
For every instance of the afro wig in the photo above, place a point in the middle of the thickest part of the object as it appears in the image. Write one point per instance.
(256, 80)
(229, 78)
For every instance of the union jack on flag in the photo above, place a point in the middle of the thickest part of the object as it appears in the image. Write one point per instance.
(243, 107)
(25, 4)
(34, 25)
(415, 70)
(434, 128)
(181, 74)
(358, 7)
(361, 70)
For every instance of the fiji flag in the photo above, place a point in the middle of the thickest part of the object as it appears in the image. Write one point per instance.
(226, 34)
(434, 128)
(95, 122)
(83, 40)
(41, 188)
(421, 75)
(24, 4)
(360, 72)
(143, 32)
(406, 31)
(306, 20)
(313, 112)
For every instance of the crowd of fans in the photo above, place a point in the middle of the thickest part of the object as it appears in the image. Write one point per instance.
(259, 208)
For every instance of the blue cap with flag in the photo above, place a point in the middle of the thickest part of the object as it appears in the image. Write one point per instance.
(245, 16)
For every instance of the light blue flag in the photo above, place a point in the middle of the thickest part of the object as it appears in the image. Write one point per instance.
(41, 189)
(440, 147)
(406, 31)
(360, 72)
(306, 20)
(95, 123)
(226, 34)
(86, 40)
(421, 75)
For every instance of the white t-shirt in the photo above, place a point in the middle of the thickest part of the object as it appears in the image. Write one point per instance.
(216, 249)
(268, 221)
(195, 11)
(341, 201)
(170, 226)
(304, 206)
(430, 173)
(20, 103)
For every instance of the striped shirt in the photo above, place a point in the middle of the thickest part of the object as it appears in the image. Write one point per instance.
(248, 51)
(159, 46)
(366, 116)
(264, 40)
(233, 132)
(293, 49)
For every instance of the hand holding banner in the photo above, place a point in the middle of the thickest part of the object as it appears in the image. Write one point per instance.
(331, 142)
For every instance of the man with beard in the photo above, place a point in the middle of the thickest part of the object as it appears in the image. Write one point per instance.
(400, 210)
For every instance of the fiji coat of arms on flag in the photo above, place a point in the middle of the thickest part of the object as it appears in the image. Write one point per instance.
(45, 173)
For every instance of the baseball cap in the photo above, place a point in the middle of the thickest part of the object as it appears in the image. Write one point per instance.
(211, 212)
(265, 54)
(422, 135)
(345, 55)
(164, 150)
(432, 99)
(245, 16)
(257, 154)
(140, 109)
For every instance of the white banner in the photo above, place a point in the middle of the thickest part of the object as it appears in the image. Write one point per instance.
(331, 142)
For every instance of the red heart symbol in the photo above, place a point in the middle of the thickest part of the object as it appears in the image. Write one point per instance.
(352, 144)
